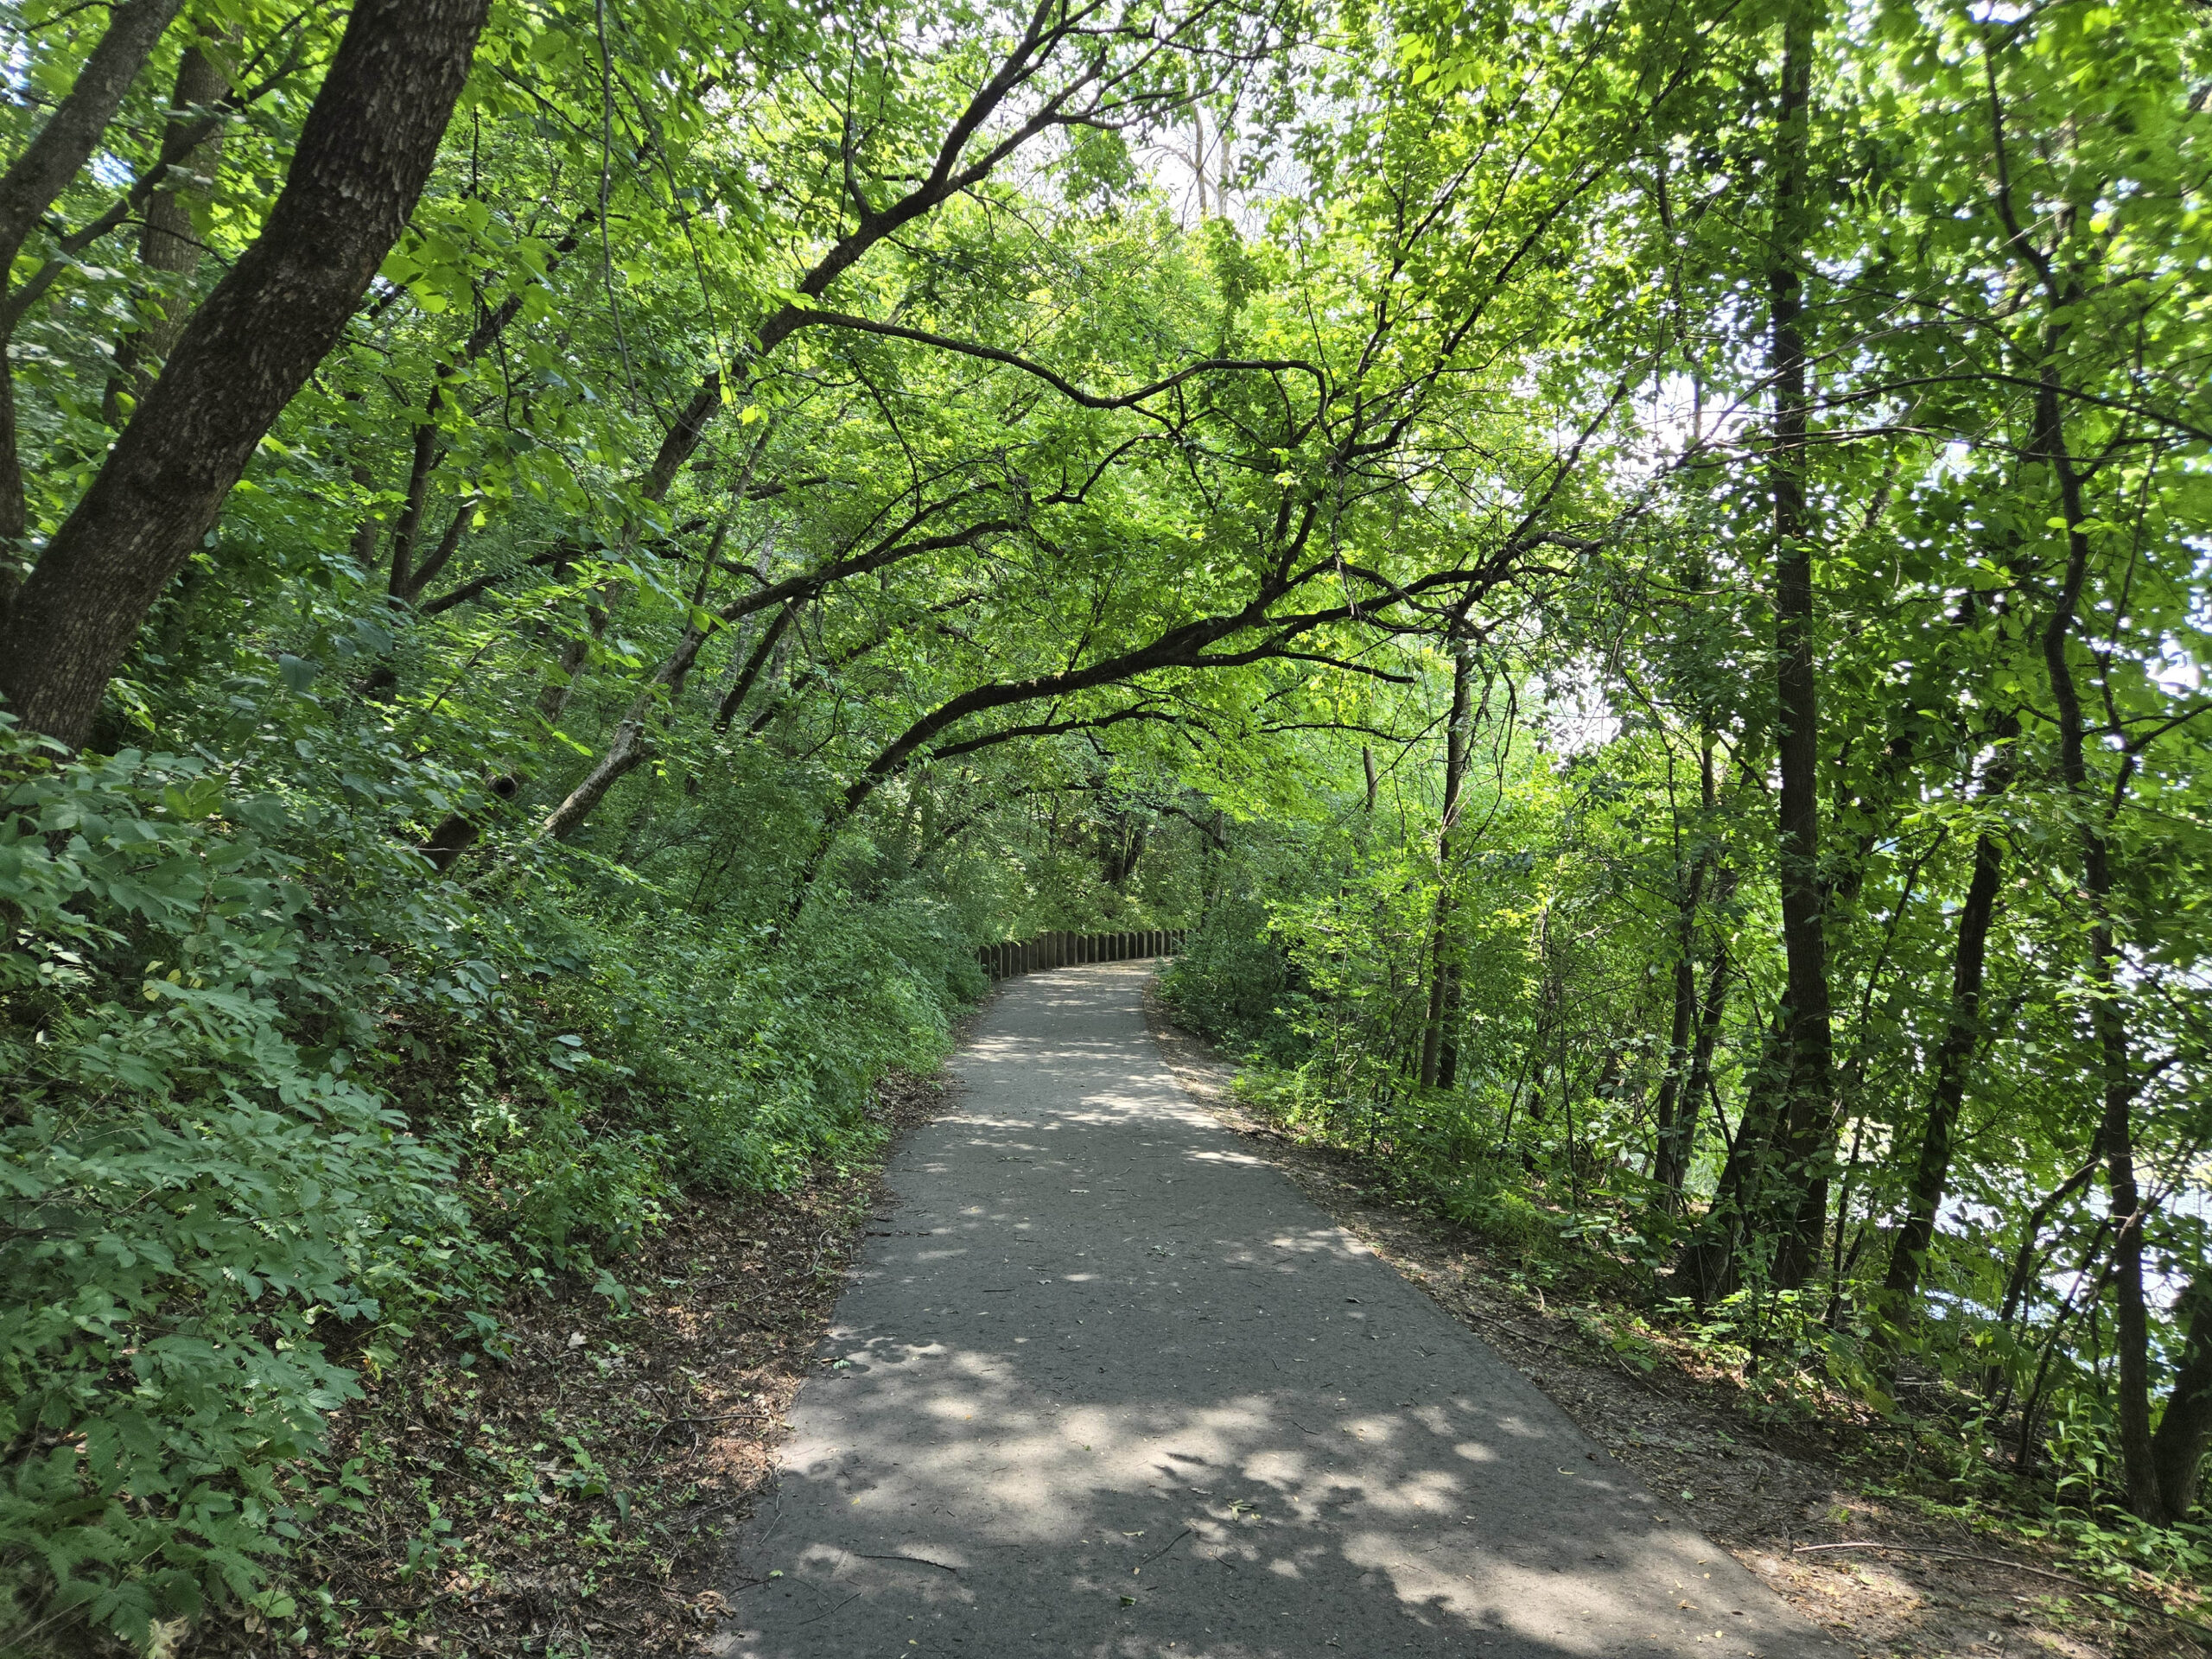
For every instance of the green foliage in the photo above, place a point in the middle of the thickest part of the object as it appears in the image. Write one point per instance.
(218, 1211)
(807, 495)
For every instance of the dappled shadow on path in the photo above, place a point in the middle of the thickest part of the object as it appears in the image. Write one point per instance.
(1108, 1386)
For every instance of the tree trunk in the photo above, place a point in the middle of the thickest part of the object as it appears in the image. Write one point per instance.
(1710, 1266)
(1708, 1036)
(167, 243)
(628, 746)
(2185, 1431)
(1441, 985)
(41, 172)
(1807, 1118)
(363, 158)
(52, 160)
(1666, 1163)
(2116, 1132)
(1675, 1112)
(1962, 1036)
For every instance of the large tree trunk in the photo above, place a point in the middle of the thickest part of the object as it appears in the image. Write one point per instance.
(1807, 1118)
(1954, 1055)
(1441, 976)
(41, 172)
(363, 158)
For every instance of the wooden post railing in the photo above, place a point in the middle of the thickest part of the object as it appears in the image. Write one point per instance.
(1059, 950)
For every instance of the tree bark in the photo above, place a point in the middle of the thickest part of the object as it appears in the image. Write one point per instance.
(1441, 976)
(41, 172)
(1806, 1121)
(167, 242)
(48, 164)
(1954, 1055)
(363, 158)
(2107, 1025)
(2186, 1431)
(1674, 1112)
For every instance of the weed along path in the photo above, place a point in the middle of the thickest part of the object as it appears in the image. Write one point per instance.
(1107, 1385)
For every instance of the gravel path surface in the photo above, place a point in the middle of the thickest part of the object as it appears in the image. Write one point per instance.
(1107, 1385)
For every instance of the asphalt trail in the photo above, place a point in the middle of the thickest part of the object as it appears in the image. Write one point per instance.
(1105, 1384)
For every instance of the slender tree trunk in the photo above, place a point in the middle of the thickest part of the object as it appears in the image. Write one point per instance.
(1807, 1118)
(1954, 1055)
(1675, 1112)
(29, 187)
(2107, 1023)
(628, 746)
(1440, 975)
(363, 158)
(53, 159)
(167, 243)
(1666, 1163)
(1711, 1264)
(1700, 1079)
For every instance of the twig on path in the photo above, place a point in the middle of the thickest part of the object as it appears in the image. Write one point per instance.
(918, 1560)
(839, 1608)
(2017, 1567)
(1162, 1551)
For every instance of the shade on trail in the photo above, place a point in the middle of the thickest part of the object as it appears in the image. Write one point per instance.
(1106, 1384)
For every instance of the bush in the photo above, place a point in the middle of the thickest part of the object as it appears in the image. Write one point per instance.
(279, 1094)
(1231, 981)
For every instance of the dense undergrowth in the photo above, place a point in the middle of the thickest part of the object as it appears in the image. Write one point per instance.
(282, 1096)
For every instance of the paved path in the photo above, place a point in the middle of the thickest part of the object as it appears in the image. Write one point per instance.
(1107, 1385)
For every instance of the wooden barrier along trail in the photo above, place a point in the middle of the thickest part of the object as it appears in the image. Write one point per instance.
(1068, 949)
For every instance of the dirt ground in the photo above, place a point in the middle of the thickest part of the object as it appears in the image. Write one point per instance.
(1882, 1579)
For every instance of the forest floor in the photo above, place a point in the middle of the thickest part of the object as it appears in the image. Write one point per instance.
(1882, 1578)
(570, 1496)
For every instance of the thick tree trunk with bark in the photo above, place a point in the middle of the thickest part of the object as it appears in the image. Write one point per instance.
(363, 158)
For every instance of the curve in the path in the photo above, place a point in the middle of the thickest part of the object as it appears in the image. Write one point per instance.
(1107, 1385)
